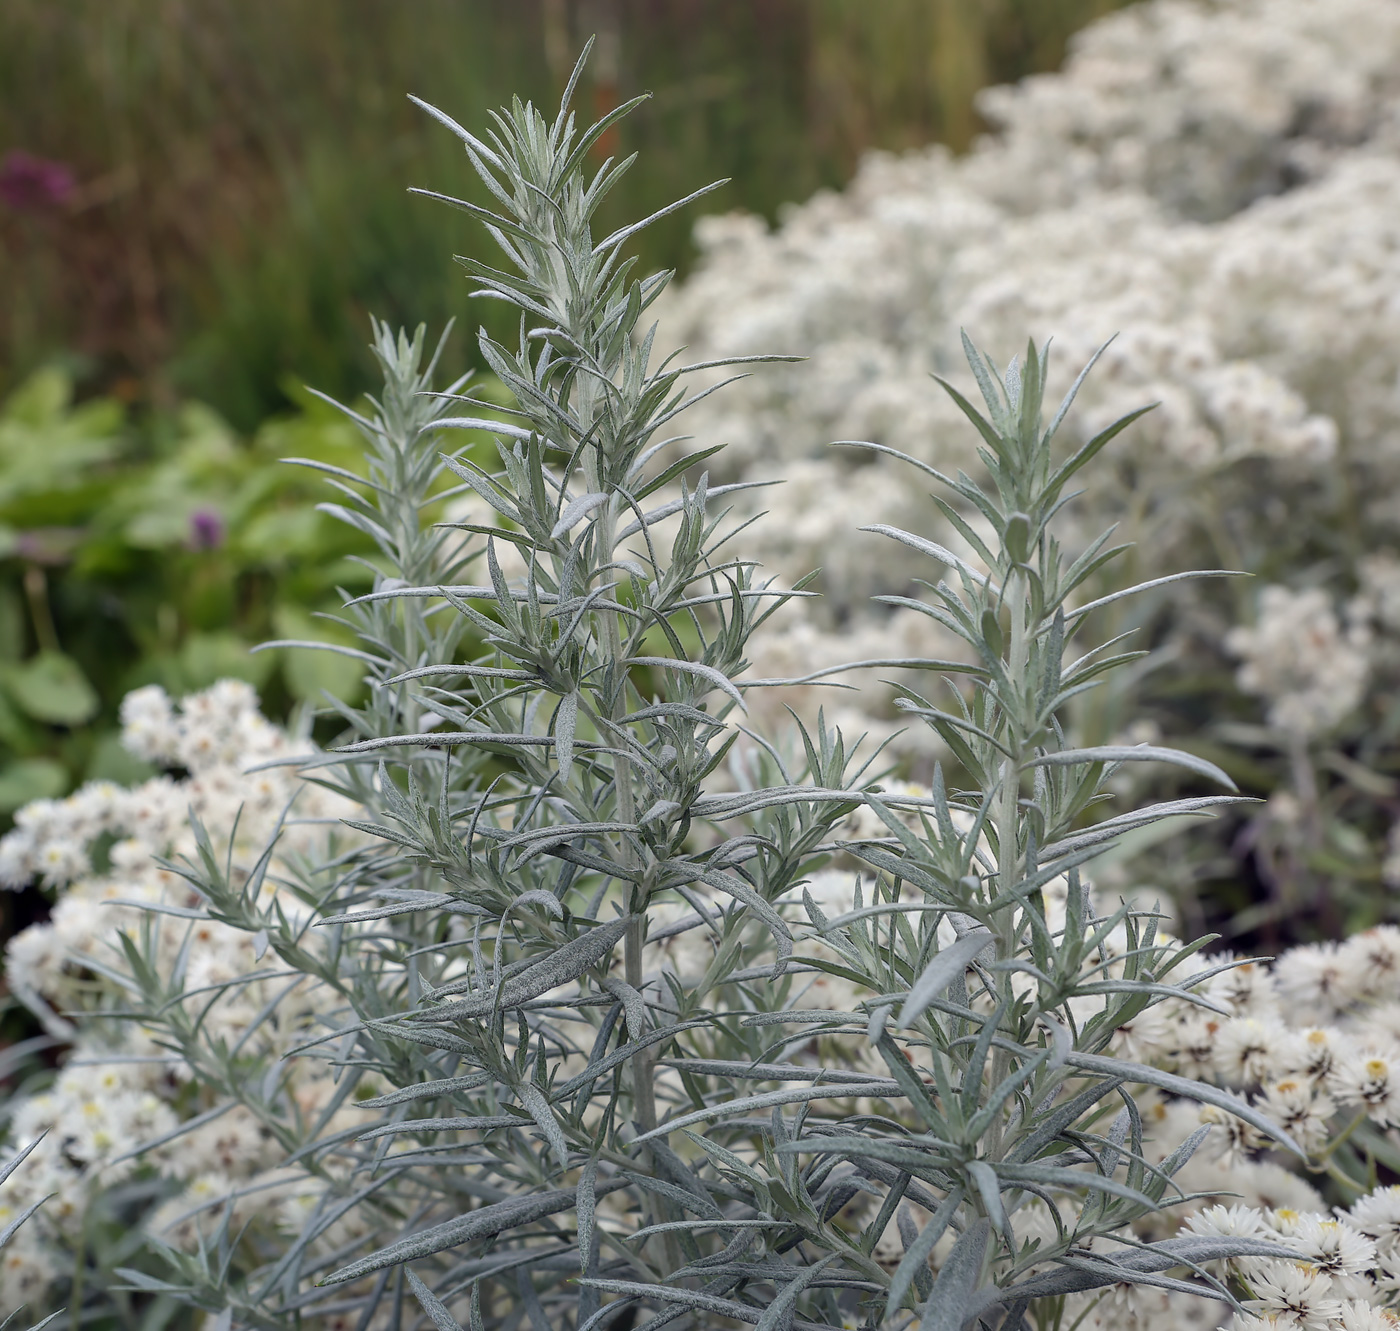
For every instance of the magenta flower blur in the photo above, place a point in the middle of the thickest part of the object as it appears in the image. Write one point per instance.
(31, 184)
(206, 529)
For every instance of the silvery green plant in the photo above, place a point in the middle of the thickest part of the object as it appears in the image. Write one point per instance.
(12, 1225)
(309, 934)
(561, 1128)
(520, 826)
(996, 1010)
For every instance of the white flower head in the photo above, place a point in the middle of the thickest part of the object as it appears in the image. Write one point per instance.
(1232, 1138)
(1378, 1215)
(1299, 658)
(1298, 1296)
(1249, 1050)
(1372, 1079)
(1300, 1109)
(1196, 1038)
(1362, 1315)
(149, 729)
(1374, 958)
(1318, 978)
(1334, 1247)
(1315, 1051)
(1246, 989)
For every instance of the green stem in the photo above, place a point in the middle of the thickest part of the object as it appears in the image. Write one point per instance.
(1352, 1188)
(75, 1294)
(1008, 818)
(1342, 1138)
(643, 1097)
(36, 591)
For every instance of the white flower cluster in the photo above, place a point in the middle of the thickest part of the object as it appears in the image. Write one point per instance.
(1312, 670)
(1216, 184)
(216, 736)
(1313, 1041)
(119, 1089)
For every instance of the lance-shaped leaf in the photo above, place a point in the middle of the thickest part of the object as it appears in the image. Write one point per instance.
(1188, 1089)
(1147, 1259)
(1134, 753)
(568, 963)
(486, 1222)
(469, 1123)
(576, 511)
(432, 1305)
(950, 1303)
(775, 1315)
(933, 549)
(916, 1255)
(796, 1095)
(565, 726)
(689, 1298)
(1083, 610)
(19, 1157)
(708, 673)
(533, 1100)
(945, 967)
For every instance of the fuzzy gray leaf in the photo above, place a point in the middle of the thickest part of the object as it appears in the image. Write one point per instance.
(565, 724)
(426, 1090)
(1126, 822)
(946, 967)
(774, 1314)
(486, 1222)
(576, 511)
(556, 969)
(16, 1160)
(932, 548)
(948, 1307)
(690, 1298)
(1188, 1089)
(533, 1100)
(916, 1255)
(767, 1101)
(441, 1318)
(1148, 1259)
(1134, 753)
(714, 1067)
(471, 1123)
(708, 673)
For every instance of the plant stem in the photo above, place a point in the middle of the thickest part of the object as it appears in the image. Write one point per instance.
(36, 591)
(1008, 818)
(643, 1097)
(1344, 1135)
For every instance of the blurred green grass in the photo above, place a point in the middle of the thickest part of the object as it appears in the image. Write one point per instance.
(229, 205)
(241, 165)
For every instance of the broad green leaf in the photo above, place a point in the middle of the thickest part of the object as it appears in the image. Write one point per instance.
(31, 779)
(52, 688)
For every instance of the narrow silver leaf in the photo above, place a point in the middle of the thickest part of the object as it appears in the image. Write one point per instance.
(950, 963)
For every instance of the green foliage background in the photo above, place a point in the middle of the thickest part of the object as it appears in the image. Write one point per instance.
(242, 164)
(240, 207)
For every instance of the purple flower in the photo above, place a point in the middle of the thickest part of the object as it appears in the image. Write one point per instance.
(31, 184)
(206, 529)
